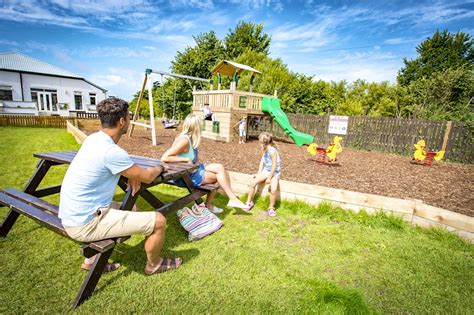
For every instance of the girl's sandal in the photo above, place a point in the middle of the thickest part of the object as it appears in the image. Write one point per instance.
(271, 212)
(249, 206)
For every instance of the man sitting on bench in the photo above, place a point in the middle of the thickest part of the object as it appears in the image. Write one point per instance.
(89, 186)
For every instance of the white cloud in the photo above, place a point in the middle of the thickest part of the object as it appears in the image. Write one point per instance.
(373, 66)
(399, 40)
(259, 4)
(416, 14)
(303, 38)
(115, 52)
(172, 24)
(6, 42)
(120, 82)
(206, 4)
(31, 12)
(108, 6)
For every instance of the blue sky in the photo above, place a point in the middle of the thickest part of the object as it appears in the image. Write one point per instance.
(112, 42)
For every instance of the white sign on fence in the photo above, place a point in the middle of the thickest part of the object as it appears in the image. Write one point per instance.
(338, 124)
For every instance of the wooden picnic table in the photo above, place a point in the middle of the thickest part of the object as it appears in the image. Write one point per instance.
(27, 202)
(175, 172)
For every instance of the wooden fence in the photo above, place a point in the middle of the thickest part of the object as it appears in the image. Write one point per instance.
(386, 134)
(37, 121)
(87, 121)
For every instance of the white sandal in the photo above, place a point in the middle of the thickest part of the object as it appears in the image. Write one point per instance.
(237, 204)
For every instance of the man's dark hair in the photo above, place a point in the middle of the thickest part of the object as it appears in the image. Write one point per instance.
(111, 110)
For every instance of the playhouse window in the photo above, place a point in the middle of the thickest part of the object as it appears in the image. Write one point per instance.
(243, 102)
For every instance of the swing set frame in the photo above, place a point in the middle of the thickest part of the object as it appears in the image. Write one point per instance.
(147, 79)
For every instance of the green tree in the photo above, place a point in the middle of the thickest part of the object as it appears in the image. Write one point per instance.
(440, 81)
(437, 54)
(447, 95)
(244, 36)
(144, 110)
(199, 60)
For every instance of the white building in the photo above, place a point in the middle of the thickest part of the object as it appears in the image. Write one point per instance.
(33, 87)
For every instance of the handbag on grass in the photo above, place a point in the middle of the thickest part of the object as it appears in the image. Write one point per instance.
(198, 221)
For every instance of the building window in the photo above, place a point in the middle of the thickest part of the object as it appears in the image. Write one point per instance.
(54, 97)
(6, 95)
(46, 99)
(92, 98)
(78, 100)
(34, 96)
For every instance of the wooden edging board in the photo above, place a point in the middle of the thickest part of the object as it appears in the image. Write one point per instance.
(413, 211)
(76, 132)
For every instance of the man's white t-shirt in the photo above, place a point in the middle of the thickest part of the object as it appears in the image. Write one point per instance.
(91, 179)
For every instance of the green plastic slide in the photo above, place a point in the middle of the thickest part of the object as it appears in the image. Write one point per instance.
(272, 106)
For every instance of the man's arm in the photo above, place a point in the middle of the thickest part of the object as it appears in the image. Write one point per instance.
(144, 175)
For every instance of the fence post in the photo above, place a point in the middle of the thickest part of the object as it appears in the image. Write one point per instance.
(446, 135)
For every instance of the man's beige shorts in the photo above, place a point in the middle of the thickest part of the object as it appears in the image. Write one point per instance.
(110, 223)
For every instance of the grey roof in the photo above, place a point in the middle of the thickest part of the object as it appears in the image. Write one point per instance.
(16, 61)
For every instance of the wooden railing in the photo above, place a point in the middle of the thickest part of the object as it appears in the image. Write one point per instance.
(219, 100)
(83, 114)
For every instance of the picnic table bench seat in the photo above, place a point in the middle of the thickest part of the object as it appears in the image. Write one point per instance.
(46, 214)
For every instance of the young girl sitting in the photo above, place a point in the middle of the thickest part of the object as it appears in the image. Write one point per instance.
(185, 150)
(268, 172)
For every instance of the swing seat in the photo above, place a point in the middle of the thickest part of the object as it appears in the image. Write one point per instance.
(170, 125)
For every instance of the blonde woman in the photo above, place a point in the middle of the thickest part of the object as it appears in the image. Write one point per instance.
(185, 150)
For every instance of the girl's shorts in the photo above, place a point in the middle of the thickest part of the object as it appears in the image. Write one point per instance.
(267, 172)
(242, 132)
(197, 177)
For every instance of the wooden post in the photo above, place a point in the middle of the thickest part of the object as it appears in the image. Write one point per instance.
(446, 135)
(152, 114)
(135, 115)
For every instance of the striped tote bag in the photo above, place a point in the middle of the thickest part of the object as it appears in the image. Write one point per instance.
(198, 221)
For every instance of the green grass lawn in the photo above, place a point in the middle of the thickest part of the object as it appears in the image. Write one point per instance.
(307, 260)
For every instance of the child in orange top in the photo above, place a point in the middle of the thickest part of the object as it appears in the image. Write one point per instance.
(268, 172)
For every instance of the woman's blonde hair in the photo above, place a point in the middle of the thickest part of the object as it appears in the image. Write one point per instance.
(266, 139)
(192, 128)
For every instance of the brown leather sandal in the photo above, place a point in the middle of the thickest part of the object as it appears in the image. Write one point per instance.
(166, 265)
(109, 267)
